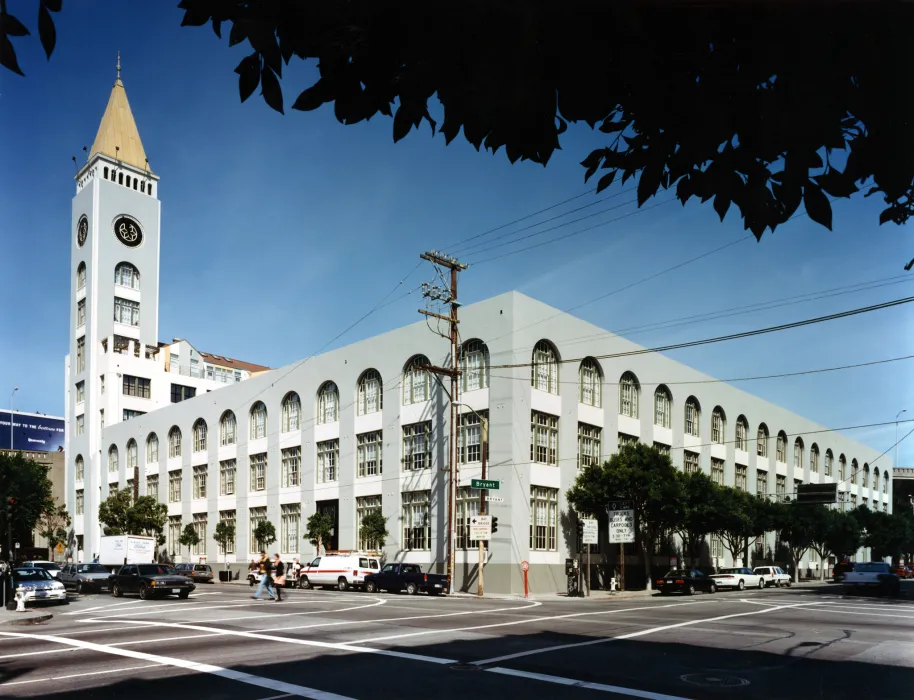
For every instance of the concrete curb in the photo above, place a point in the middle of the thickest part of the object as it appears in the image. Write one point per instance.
(27, 620)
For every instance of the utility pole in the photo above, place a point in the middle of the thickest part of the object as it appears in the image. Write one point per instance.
(446, 295)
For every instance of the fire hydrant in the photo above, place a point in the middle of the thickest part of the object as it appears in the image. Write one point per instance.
(20, 599)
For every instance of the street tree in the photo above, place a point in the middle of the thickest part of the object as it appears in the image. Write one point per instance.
(844, 536)
(319, 530)
(888, 535)
(737, 522)
(264, 534)
(796, 527)
(146, 516)
(224, 534)
(189, 538)
(825, 527)
(702, 509)
(373, 530)
(114, 512)
(53, 526)
(27, 481)
(643, 475)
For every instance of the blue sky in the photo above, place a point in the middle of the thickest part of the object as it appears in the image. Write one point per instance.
(291, 227)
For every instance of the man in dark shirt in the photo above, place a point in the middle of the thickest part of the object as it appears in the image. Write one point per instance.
(266, 581)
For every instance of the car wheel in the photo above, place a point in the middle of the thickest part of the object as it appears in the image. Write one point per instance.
(342, 583)
(183, 594)
(371, 587)
(741, 586)
(777, 583)
(116, 591)
(664, 593)
(761, 583)
(712, 588)
(80, 589)
(412, 588)
(144, 592)
(305, 583)
(789, 581)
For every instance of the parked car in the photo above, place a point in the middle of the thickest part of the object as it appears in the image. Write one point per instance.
(739, 578)
(686, 581)
(903, 571)
(841, 568)
(51, 567)
(150, 581)
(875, 576)
(773, 575)
(84, 578)
(197, 572)
(39, 585)
(339, 570)
(406, 577)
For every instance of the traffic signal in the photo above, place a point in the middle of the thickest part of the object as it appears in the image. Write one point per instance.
(494, 524)
(11, 507)
(580, 529)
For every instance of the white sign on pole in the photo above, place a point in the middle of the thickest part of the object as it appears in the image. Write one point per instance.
(481, 527)
(495, 499)
(591, 532)
(621, 526)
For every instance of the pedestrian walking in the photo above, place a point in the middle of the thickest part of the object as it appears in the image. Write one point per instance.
(279, 575)
(266, 581)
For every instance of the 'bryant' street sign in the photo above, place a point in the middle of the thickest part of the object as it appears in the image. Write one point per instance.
(484, 484)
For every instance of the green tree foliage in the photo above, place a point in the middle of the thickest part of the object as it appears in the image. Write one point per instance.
(264, 534)
(645, 476)
(702, 509)
(373, 530)
(53, 526)
(742, 517)
(319, 530)
(28, 482)
(224, 535)
(148, 517)
(889, 535)
(189, 537)
(796, 529)
(114, 512)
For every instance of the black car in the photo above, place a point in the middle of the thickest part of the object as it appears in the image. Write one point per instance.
(150, 581)
(685, 581)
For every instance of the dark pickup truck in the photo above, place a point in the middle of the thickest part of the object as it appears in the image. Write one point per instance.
(406, 577)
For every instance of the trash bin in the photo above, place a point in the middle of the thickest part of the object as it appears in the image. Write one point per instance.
(225, 576)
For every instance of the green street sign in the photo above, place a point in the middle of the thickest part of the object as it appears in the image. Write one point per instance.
(484, 483)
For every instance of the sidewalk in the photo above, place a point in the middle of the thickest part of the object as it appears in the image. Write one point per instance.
(31, 616)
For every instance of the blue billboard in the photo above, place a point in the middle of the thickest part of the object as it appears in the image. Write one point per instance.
(31, 432)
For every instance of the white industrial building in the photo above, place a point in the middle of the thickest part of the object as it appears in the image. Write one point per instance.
(361, 428)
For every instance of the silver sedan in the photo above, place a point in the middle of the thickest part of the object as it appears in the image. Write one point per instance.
(39, 586)
(84, 578)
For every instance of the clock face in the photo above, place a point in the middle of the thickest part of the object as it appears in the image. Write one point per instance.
(128, 232)
(82, 231)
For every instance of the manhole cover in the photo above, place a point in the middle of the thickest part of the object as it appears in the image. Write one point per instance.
(465, 667)
(714, 680)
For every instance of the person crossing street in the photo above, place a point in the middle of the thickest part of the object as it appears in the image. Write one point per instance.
(279, 576)
(266, 580)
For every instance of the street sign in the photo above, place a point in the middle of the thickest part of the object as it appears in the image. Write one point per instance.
(591, 532)
(619, 504)
(495, 499)
(484, 483)
(817, 493)
(59, 548)
(621, 526)
(480, 527)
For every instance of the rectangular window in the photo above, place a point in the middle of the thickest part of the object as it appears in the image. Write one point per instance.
(417, 524)
(200, 481)
(291, 468)
(80, 425)
(228, 517)
(690, 460)
(761, 482)
(417, 446)
(126, 312)
(717, 547)
(469, 439)
(200, 529)
(328, 457)
(853, 501)
(368, 454)
(80, 502)
(181, 393)
(544, 438)
(255, 517)
(152, 487)
(365, 505)
(128, 414)
(662, 413)
(741, 476)
(174, 534)
(80, 313)
(543, 518)
(624, 440)
(174, 486)
(589, 441)
(780, 485)
(289, 523)
(717, 471)
(467, 507)
(259, 471)
(80, 355)
(227, 477)
(127, 276)
(796, 484)
(662, 449)
(136, 386)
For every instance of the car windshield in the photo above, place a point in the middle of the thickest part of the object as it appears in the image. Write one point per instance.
(201, 567)
(677, 572)
(91, 569)
(46, 565)
(31, 575)
(730, 571)
(155, 570)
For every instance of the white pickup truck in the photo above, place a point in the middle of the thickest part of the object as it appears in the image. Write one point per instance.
(874, 576)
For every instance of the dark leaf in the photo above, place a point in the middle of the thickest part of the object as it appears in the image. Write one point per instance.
(889, 214)
(649, 182)
(606, 181)
(217, 27)
(237, 34)
(195, 17)
(684, 188)
(563, 126)
(402, 123)
(817, 205)
(11, 26)
(721, 205)
(313, 97)
(249, 72)
(608, 126)
(46, 31)
(836, 183)
(8, 56)
(270, 89)
(52, 5)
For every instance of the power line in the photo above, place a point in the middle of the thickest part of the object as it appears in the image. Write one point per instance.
(884, 453)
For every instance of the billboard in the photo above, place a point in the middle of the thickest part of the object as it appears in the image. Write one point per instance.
(32, 432)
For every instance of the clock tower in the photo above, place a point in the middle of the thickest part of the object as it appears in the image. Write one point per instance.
(114, 241)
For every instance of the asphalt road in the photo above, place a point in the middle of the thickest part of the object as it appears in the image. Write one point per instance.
(779, 643)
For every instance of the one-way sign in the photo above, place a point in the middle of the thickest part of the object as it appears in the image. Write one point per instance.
(480, 527)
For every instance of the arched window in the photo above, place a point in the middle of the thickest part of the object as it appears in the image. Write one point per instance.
(854, 472)
(258, 421)
(474, 364)
(781, 450)
(829, 462)
(876, 479)
(152, 449)
(200, 435)
(112, 458)
(174, 442)
(663, 407)
(798, 453)
(328, 403)
(80, 468)
(126, 275)
(692, 416)
(590, 383)
(544, 374)
(120, 178)
(629, 390)
(132, 462)
(371, 392)
(415, 380)
(761, 440)
(742, 434)
(866, 475)
(814, 458)
(106, 173)
(228, 429)
(80, 275)
(842, 468)
(291, 412)
(885, 483)
(718, 422)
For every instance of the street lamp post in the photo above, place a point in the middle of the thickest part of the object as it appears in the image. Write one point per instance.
(13, 394)
(483, 444)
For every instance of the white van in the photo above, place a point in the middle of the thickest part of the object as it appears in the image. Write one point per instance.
(340, 570)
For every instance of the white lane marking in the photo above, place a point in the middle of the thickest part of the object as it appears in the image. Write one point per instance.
(632, 635)
(841, 611)
(619, 690)
(277, 697)
(78, 675)
(240, 676)
(166, 607)
(546, 618)
(38, 653)
(126, 602)
(378, 601)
